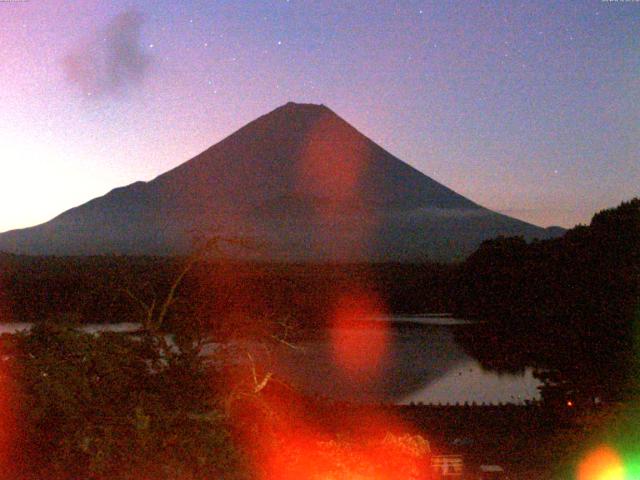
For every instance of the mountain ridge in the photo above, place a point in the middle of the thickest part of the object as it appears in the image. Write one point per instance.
(301, 179)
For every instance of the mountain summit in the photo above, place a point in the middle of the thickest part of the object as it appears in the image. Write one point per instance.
(300, 181)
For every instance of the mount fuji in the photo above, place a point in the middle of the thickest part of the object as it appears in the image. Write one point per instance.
(300, 181)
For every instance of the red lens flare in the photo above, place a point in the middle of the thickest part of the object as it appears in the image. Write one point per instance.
(388, 458)
(332, 161)
(603, 463)
(331, 175)
(360, 353)
(7, 413)
(377, 448)
(8, 418)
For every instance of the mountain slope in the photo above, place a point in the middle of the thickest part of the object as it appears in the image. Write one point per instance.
(301, 181)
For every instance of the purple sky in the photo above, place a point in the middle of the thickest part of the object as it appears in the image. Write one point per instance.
(529, 108)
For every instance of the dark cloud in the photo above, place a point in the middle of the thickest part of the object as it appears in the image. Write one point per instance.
(113, 62)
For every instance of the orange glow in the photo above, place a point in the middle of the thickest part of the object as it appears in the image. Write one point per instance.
(387, 458)
(603, 463)
(358, 357)
(301, 450)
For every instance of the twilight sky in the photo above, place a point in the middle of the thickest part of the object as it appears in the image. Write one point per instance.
(529, 108)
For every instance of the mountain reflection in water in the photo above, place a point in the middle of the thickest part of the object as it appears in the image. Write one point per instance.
(424, 363)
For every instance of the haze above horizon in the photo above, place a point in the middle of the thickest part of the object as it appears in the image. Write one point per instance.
(529, 109)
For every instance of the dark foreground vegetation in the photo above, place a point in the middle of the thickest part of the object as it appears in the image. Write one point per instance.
(77, 405)
(111, 406)
(115, 406)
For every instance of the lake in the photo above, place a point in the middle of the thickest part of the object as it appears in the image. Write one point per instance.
(421, 363)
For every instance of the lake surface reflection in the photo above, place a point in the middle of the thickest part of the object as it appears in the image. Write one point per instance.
(423, 363)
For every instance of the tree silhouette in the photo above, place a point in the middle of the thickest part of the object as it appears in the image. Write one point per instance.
(566, 306)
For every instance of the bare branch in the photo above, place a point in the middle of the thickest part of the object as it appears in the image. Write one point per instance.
(258, 388)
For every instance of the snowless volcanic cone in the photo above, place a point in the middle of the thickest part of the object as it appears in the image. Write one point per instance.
(301, 181)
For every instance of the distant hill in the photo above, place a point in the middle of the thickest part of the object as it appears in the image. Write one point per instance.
(300, 181)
